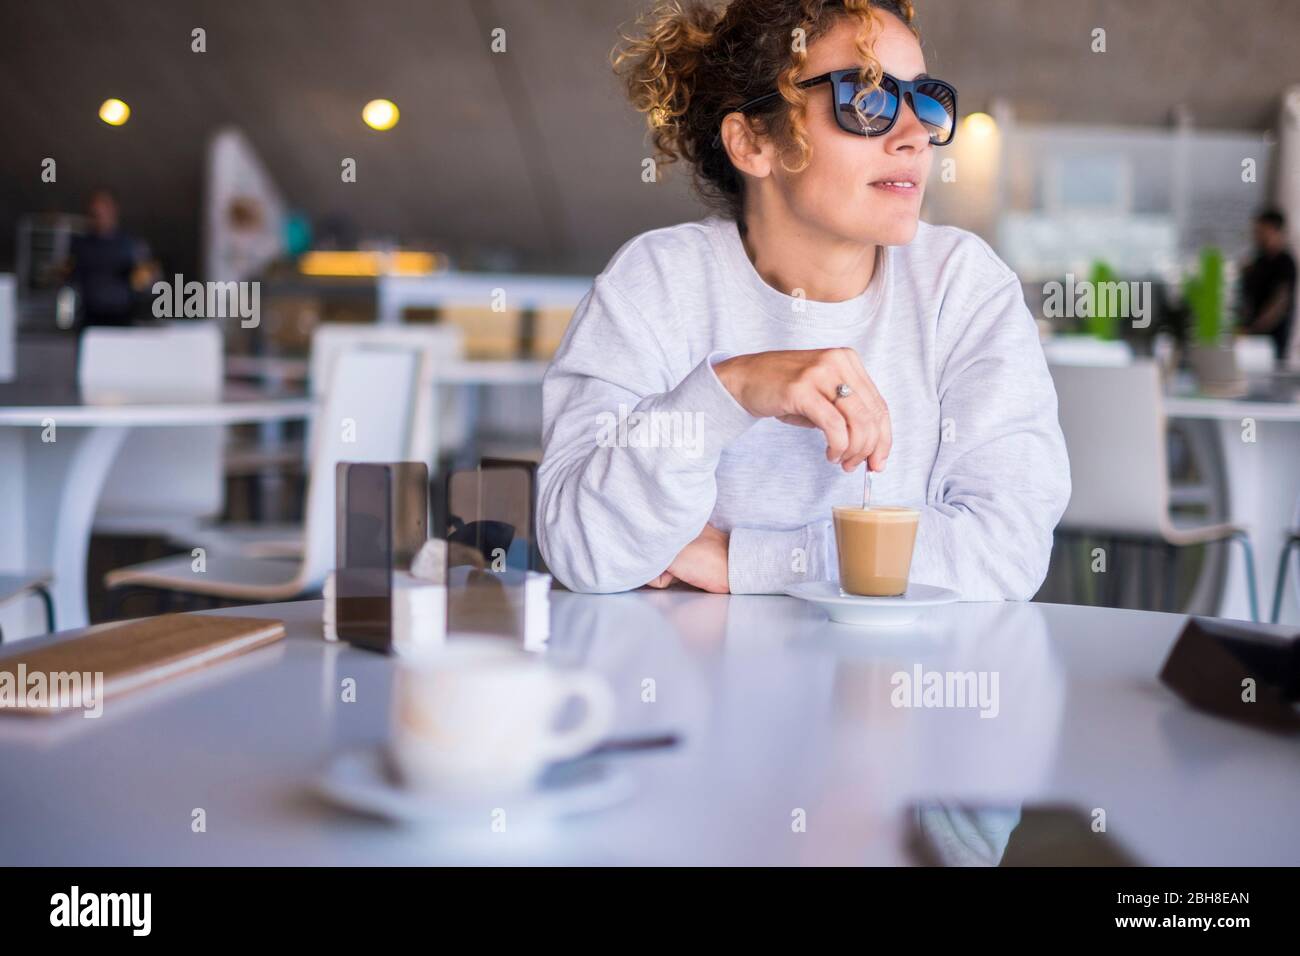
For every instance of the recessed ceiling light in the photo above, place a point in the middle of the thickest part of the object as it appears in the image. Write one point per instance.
(980, 124)
(114, 112)
(380, 114)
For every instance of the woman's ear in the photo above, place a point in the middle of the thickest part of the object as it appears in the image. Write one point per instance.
(750, 152)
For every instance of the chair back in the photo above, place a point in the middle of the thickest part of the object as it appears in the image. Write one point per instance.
(432, 427)
(1113, 420)
(162, 476)
(366, 416)
(180, 362)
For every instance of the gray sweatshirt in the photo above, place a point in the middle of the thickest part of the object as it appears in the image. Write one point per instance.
(643, 445)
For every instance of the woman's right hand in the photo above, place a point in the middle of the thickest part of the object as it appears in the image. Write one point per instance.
(799, 386)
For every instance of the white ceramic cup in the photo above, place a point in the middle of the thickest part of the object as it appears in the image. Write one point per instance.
(480, 715)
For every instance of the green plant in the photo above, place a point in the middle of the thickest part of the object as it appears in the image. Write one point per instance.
(1100, 322)
(1204, 293)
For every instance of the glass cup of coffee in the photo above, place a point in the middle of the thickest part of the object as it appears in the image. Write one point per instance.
(875, 548)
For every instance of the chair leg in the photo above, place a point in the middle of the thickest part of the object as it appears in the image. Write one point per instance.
(1084, 580)
(1169, 583)
(1244, 540)
(48, 600)
(1066, 545)
(1280, 588)
(1113, 565)
(1150, 575)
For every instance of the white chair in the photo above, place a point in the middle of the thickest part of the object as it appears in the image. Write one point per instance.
(165, 479)
(435, 343)
(1292, 543)
(1279, 589)
(1114, 425)
(15, 586)
(366, 417)
(438, 343)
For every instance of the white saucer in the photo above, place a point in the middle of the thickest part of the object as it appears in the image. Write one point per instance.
(363, 781)
(872, 611)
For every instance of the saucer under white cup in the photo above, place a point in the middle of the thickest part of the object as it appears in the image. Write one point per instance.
(478, 714)
(865, 611)
(364, 782)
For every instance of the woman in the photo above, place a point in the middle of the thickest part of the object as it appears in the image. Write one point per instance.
(725, 382)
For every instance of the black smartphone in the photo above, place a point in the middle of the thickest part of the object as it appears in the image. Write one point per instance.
(1245, 672)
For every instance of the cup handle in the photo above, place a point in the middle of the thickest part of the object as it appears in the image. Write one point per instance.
(595, 722)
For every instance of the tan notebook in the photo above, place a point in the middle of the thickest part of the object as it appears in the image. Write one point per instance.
(129, 655)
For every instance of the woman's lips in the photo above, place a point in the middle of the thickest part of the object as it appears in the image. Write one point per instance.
(898, 187)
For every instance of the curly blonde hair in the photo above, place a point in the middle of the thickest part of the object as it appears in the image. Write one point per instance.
(693, 62)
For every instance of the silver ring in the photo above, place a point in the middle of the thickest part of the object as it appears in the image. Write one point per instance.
(842, 391)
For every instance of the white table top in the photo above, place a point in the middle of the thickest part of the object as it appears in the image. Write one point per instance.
(238, 405)
(491, 372)
(457, 372)
(1232, 409)
(1274, 397)
(777, 708)
(479, 288)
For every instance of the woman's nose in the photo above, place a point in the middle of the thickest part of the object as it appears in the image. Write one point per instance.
(908, 132)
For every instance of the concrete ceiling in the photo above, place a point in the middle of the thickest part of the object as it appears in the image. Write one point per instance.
(532, 153)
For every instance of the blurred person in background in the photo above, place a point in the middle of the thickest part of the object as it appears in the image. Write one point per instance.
(109, 268)
(1268, 284)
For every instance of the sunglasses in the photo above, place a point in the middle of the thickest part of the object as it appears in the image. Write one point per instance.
(872, 112)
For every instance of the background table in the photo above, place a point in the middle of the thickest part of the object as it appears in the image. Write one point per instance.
(49, 489)
(778, 710)
(395, 294)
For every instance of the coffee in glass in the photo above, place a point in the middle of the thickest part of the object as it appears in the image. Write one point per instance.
(875, 548)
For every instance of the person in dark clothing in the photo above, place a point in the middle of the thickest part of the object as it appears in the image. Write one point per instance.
(109, 268)
(1268, 284)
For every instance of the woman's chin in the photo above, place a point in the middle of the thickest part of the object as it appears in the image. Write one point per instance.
(892, 232)
(871, 225)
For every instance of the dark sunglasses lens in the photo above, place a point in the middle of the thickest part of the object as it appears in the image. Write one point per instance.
(865, 111)
(936, 108)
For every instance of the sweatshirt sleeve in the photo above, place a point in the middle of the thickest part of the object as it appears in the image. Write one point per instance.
(1001, 478)
(630, 448)
(761, 561)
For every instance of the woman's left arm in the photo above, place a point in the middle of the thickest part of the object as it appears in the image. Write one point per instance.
(1001, 478)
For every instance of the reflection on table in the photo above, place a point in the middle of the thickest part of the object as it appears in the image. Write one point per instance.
(781, 715)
